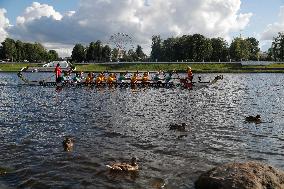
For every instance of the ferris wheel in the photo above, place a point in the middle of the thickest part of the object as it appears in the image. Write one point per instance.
(121, 41)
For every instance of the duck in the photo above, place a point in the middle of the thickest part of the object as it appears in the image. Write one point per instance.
(126, 167)
(253, 118)
(68, 144)
(178, 127)
(219, 77)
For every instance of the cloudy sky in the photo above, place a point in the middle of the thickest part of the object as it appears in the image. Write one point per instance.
(62, 23)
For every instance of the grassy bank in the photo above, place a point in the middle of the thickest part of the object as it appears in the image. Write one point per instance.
(214, 67)
(179, 67)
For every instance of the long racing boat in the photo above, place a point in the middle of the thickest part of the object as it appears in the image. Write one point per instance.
(178, 83)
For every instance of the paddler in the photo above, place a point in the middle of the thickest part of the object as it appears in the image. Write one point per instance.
(169, 78)
(134, 78)
(101, 78)
(89, 78)
(58, 73)
(121, 77)
(157, 77)
(145, 78)
(189, 74)
(111, 79)
(78, 77)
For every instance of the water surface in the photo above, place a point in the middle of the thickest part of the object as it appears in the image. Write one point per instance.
(115, 124)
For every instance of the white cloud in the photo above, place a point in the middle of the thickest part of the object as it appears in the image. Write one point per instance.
(99, 19)
(36, 11)
(4, 24)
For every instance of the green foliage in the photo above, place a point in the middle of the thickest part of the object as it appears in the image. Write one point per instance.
(17, 51)
(240, 49)
(254, 49)
(78, 53)
(220, 50)
(156, 53)
(277, 48)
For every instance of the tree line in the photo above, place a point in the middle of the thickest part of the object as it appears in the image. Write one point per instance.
(197, 48)
(187, 48)
(18, 51)
(97, 52)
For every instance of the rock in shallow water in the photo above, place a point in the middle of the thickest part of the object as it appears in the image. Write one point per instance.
(249, 175)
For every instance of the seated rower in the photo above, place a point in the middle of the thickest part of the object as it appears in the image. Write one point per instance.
(111, 79)
(77, 78)
(157, 77)
(66, 77)
(168, 78)
(145, 78)
(90, 78)
(134, 78)
(121, 78)
(101, 78)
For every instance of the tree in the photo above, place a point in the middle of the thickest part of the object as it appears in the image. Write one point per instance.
(20, 51)
(114, 55)
(52, 55)
(9, 49)
(220, 51)
(240, 49)
(98, 49)
(90, 55)
(168, 50)
(201, 48)
(156, 53)
(254, 49)
(78, 53)
(278, 47)
(106, 53)
(139, 53)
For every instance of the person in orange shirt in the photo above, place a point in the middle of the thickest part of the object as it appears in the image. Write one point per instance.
(189, 74)
(145, 78)
(89, 78)
(101, 78)
(111, 79)
(134, 78)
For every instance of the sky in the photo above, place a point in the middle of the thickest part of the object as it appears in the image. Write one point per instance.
(60, 24)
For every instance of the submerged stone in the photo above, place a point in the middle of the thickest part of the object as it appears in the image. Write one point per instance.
(249, 175)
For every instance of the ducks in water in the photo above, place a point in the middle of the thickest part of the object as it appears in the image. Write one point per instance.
(178, 127)
(255, 119)
(68, 144)
(132, 166)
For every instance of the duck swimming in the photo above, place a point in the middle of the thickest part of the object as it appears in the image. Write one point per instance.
(253, 118)
(133, 166)
(68, 144)
(178, 127)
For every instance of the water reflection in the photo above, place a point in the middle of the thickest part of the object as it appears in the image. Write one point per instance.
(115, 124)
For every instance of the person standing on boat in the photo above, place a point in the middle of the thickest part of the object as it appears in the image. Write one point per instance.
(57, 73)
(189, 74)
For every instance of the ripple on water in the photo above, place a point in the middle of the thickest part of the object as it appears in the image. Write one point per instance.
(111, 125)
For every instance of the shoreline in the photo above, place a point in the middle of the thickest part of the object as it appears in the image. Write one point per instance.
(153, 67)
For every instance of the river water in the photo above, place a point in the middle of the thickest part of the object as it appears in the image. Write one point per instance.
(111, 125)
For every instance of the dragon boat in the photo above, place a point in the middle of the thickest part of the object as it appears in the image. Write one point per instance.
(178, 83)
